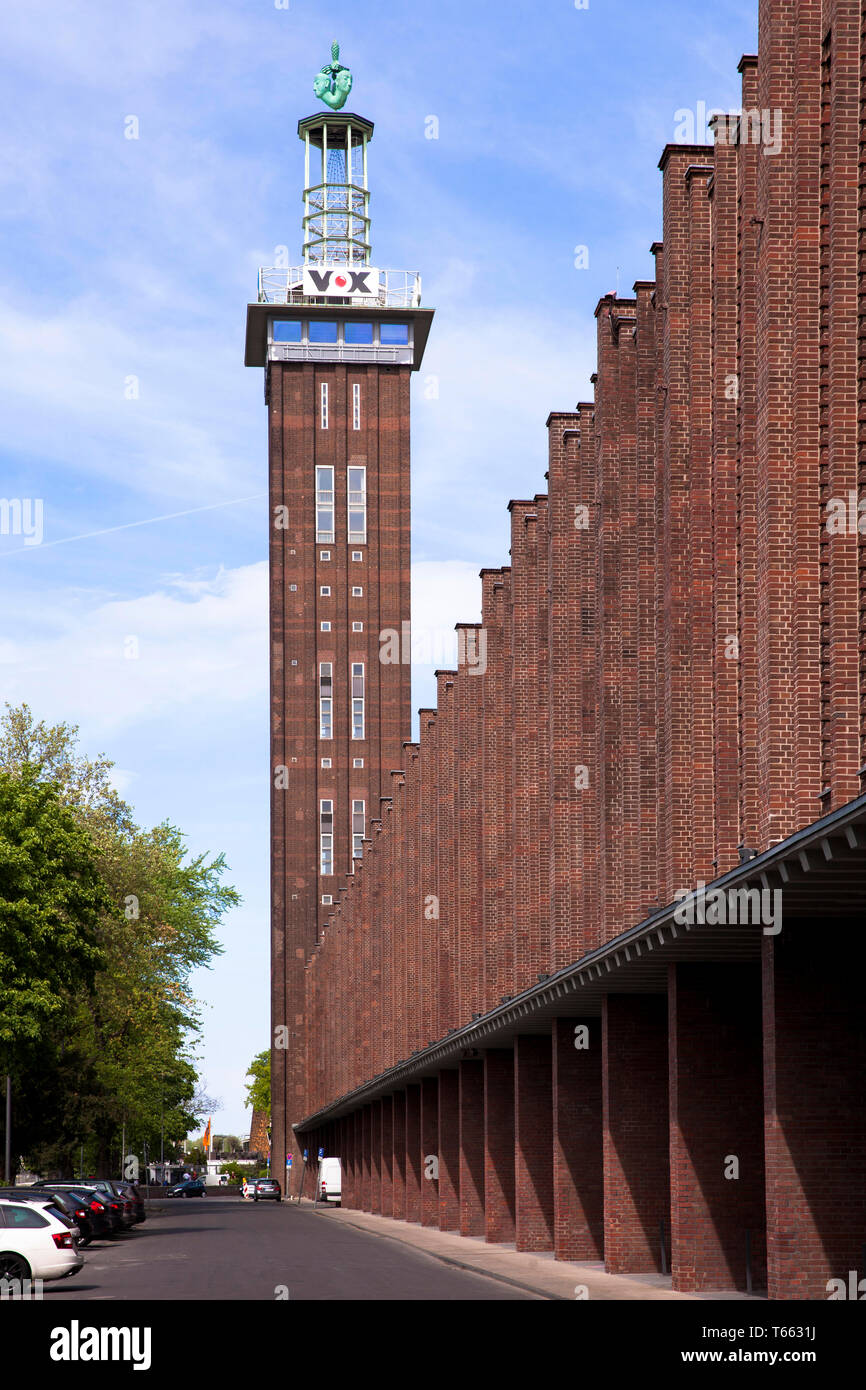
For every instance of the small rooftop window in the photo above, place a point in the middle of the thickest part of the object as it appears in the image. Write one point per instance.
(358, 332)
(322, 331)
(393, 334)
(287, 330)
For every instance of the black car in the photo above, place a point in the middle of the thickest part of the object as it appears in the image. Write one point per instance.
(266, 1190)
(103, 1221)
(129, 1189)
(193, 1187)
(117, 1194)
(119, 1206)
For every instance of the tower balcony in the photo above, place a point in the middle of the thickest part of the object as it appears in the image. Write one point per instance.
(388, 289)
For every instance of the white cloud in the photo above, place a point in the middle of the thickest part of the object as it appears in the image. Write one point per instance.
(483, 440)
(110, 664)
(174, 439)
(444, 592)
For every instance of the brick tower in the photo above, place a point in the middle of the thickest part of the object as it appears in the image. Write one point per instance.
(338, 339)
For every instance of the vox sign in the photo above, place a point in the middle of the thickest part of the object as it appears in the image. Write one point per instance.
(342, 281)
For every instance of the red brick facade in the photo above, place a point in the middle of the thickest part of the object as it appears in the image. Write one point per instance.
(673, 682)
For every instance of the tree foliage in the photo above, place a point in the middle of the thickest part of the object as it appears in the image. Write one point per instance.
(52, 902)
(122, 916)
(259, 1088)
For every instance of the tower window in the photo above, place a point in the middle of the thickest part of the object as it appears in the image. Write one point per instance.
(357, 699)
(324, 504)
(393, 334)
(357, 762)
(322, 331)
(357, 488)
(326, 699)
(357, 627)
(324, 405)
(287, 330)
(357, 555)
(358, 828)
(357, 591)
(327, 899)
(326, 837)
(326, 627)
(325, 590)
(358, 333)
(326, 762)
(324, 554)
(356, 406)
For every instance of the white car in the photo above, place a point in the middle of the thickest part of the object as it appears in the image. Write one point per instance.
(36, 1242)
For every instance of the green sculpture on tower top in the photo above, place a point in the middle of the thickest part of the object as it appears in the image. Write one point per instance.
(334, 83)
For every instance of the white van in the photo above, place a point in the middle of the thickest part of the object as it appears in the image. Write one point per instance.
(330, 1181)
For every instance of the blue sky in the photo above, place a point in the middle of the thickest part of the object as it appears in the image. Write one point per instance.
(124, 259)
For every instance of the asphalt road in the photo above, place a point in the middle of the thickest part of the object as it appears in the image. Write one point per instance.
(220, 1248)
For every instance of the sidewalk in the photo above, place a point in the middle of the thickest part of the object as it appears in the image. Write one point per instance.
(538, 1273)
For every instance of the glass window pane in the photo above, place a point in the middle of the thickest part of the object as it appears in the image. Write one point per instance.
(358, 332)
(287, 330)
(394, 334)
(323, 331)
(24, 1216)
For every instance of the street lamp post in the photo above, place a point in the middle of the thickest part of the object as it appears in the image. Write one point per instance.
(8, 1129)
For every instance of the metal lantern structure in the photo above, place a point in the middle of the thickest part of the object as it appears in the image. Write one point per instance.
(336, 224)
(336, 195)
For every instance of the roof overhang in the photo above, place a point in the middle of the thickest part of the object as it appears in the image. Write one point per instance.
(258, 315)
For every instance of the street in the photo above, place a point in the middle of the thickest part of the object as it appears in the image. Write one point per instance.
(224, 1248)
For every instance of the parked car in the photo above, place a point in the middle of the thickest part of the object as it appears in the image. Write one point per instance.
(266, 1190)
(330, 1181)
(72, 1209)
(103, 1221)
(130, 1190)
(40, 1195)
(116, 1201)
(36, 1241)
(194, 1187)
(121, 1194)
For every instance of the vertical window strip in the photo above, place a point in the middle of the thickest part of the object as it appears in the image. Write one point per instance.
(356, 488)
(326, 837)
(326, 700)
(357, 699)
(359, 809)
(324, 503)
(324, 405)
(356, 406)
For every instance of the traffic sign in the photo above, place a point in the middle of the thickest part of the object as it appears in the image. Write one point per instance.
(288, 1160)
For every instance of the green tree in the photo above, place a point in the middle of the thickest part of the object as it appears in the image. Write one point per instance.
(121, 1050)
(53, 900)
(54, 905)
(259, 1088)
(234, 1170)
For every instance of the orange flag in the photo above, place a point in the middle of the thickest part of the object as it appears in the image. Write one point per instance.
(205, 1143)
